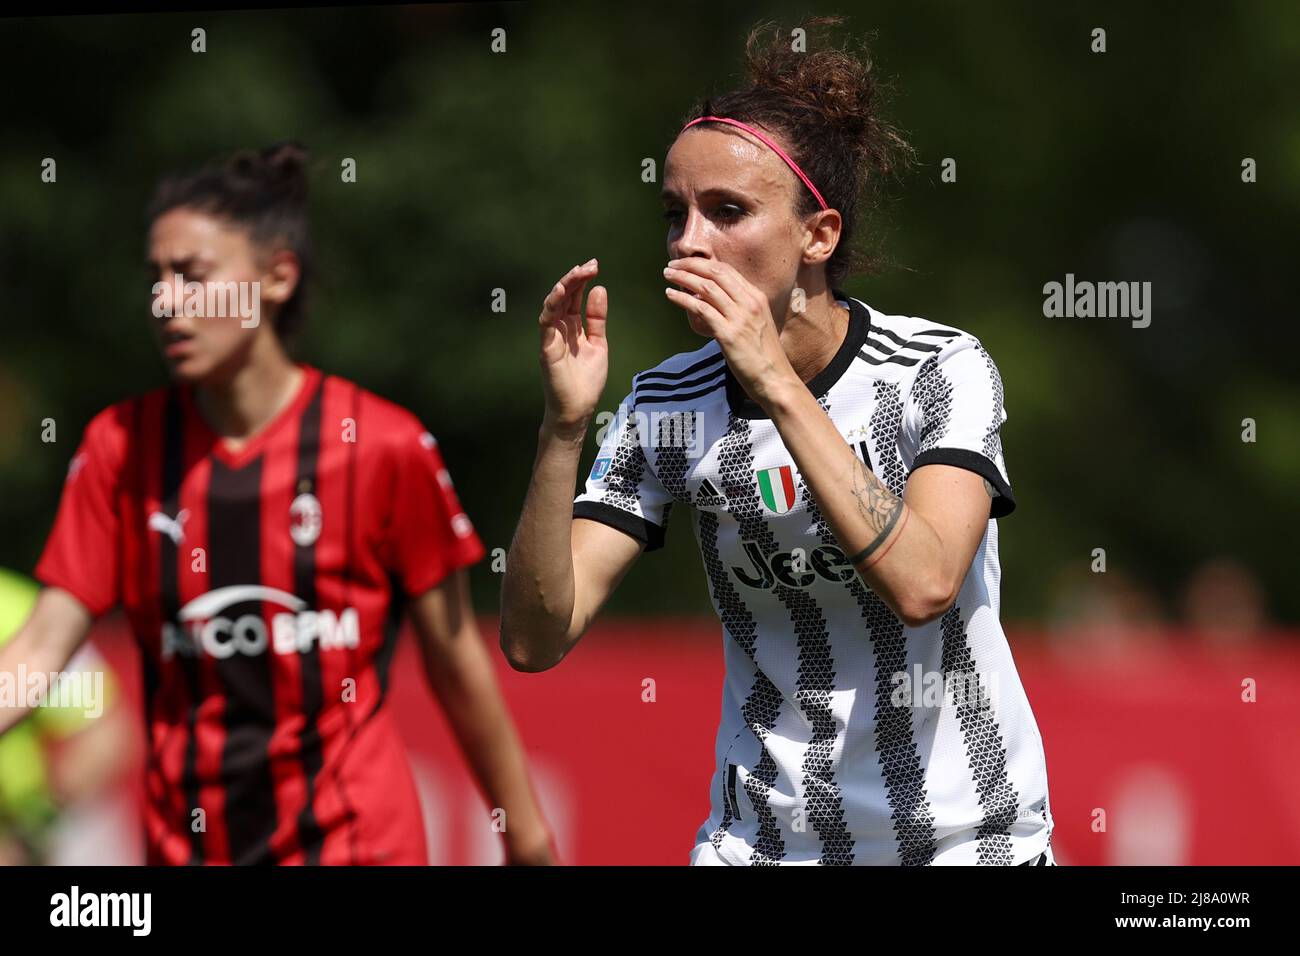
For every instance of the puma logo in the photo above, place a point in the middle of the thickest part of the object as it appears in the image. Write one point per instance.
(173, 528)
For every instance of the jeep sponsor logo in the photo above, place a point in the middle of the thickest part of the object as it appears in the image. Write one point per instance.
(202, 629)
(793, 569)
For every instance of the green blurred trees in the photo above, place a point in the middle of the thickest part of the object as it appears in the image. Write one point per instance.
(480, 171)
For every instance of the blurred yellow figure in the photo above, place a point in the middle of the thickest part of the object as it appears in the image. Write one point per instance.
(57, 756)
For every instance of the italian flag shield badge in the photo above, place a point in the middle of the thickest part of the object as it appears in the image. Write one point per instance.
(777, 488)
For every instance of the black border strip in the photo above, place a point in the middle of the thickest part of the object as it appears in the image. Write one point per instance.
(689, 383)
(1003, 504)
(675, 377)
(679, 396)
(644, 530)
(895, 359)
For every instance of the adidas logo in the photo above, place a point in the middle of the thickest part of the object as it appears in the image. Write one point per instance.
(708, 496)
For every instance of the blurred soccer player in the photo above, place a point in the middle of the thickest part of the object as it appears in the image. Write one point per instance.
(843, 468)
(264, 524)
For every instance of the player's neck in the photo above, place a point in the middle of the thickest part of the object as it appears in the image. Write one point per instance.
(812, 337)
(239, 406)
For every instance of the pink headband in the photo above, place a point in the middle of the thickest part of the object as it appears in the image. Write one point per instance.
(775, 148)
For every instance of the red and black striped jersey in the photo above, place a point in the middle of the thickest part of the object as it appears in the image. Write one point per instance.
(265, 586)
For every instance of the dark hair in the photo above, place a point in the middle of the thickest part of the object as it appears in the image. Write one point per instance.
(824, 104)
(264, 191)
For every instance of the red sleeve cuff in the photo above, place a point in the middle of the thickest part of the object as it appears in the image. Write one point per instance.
(53, 579)
(466, 552)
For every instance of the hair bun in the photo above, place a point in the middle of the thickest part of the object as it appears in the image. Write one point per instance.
(281, 166)
(287, 158)
(835, 86)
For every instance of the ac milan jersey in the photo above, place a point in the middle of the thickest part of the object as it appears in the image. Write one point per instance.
(846, 736)
(265, 586)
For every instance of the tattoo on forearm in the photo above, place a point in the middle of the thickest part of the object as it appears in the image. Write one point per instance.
(879, 507)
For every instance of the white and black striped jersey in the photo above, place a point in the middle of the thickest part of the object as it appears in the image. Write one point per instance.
(846, 737)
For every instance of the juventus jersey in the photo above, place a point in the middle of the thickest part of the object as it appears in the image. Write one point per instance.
(846, 736)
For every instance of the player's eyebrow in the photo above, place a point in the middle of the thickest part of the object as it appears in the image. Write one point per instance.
(178, 265)
(668, 194)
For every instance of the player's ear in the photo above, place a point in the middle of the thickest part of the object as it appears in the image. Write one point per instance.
(283, 270)
(824, 229)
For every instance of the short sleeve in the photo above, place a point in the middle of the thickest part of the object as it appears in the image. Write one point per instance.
(956, 412)
(83, 554)
(431, 534)
(622, 489)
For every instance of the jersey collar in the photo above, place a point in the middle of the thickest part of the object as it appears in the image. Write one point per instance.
(257, 443)
(742, 406)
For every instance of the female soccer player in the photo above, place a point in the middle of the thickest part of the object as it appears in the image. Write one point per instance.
(843, 469)
(264, 524)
